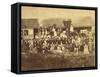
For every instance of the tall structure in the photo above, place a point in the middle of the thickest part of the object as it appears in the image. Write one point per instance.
(67, 24)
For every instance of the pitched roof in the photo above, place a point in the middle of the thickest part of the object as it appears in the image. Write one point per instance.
(29, 23)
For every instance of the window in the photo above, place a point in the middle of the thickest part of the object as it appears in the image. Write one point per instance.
(25, 33)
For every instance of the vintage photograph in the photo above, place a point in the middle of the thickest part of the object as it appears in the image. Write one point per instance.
(56, 38)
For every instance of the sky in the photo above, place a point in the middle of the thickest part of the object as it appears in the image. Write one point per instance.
(29, 12)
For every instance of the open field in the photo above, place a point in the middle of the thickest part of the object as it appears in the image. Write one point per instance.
(52, 61)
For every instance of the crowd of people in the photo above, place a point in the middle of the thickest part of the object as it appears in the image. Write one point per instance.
(60, 40)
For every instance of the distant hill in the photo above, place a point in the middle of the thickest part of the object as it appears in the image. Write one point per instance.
(33, 23)
(52, 21)
(86, 21)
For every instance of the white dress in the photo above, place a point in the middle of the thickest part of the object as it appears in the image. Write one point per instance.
(86, 50)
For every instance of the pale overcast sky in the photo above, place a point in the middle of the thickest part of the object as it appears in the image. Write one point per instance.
(41, 13)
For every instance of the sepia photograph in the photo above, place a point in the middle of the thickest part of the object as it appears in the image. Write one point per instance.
(57, 38)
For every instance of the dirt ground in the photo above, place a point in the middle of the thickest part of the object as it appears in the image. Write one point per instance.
(51, 61)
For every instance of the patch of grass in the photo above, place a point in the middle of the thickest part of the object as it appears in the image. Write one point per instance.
(51, 61)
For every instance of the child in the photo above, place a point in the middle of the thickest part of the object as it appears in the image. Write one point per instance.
(86, 50)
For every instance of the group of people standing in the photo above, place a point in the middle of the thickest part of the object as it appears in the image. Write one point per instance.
(60, 41)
